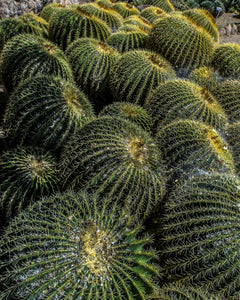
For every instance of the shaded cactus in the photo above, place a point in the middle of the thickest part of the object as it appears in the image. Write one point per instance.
(67, 25)
(113, 19)
(165, 5)
(37, 21)
(139, 21)
(129, 111)
(206, 77)
(117, 158)
(137, 73)
(226, 60)
(152, 13)
(188, 145)
(181, 99)
(200, 234)
(27, 55)
(180, 41)
(48, 10)
(228, 95)
(78, 246)
(125, 9)
(233, 138)
(46, 111)
(202, 18)
(25, 175)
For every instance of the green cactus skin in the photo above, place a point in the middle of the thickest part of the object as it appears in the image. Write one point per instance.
(233, 138)
(25, 176)
(129, 111)
(228, 95)
(202, 18)
(200, 234)
(152, 13)
(30, 18)
(49, 10)
(226, 60)
(125, 9)
(137, 73)
(11, 27)
(182, 99)
(113, 19)
(189, 145)
(165, 5)
(124, 41)
(26, 56)
(182, 42)
(76, 246)
(139, 21)
(46, 111)
(69, 24)
(206, 77)
(115, 157)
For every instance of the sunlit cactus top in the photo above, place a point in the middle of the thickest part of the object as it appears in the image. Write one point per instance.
(75, 246)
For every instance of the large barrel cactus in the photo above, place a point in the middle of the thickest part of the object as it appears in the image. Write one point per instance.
(50, 9)
(181, 41)
(76, 246)
(137, 73)
(117, 158)
(26, 56)
(46, 111)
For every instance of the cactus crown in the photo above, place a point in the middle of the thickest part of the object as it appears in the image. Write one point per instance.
(136, 147)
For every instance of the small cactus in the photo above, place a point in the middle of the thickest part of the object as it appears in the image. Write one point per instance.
(49, 10)
(79, 246)
(152, 13)
(139, 21)
(206, 77)
(125, 9)
(165, 5)
(37, 21)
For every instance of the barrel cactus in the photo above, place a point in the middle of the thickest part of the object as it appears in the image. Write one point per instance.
(139, 21)
(200, 234)
(182, 99)
(137, 73)
(129, 111)
(188, 145)
(181, 41)
(206, 77)
(26, 56)
(165, 5)
(125, 9)
(50, 9)
(26, 174)
(76, 246)
(30, 18)
(115, 157)
(47, 111)
(152, 13)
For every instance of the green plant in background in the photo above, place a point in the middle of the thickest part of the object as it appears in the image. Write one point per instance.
(46, 111)
(129, 111)
(137, 73)
(49, 10)
(139, 21)
(200, 234)
(113, 19)
(181, 41)
(212, 5)
(165, 5)
(188, 145)
(76, 246)
(206, 77)
(25, 175)
(30, 18)
(205, 20)
(152, 13)
(26, 56)
(228, 95)
(69, 24)
(125, 9)
(233, 138)
(182, 99)
(115, 158)
(226, 60)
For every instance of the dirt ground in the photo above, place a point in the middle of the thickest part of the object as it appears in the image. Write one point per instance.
(222, 21)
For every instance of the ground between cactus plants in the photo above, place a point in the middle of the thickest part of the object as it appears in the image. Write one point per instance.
(222, 21)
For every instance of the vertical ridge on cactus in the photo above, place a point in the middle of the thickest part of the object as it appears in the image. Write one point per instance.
(115, 157)
(76, 245)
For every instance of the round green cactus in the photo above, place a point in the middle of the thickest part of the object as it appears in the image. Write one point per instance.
(25, 176)
(69, 24)
(129, 111)
(200, 234)
(202, 18)
(26, 56)
(226, 60)
(139, 21)
(30, 18)
(206, 77)
(182, 99)
(233, 138)
(181, 41)
(49, 10)
(79, 246)
(188, 145)
(47, 111)
(107, 3)
(115, 157)
(152, 13)
(228, 95)
(125, 9)
(165, 5)
(137, 73)
(113, 19)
